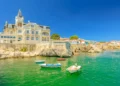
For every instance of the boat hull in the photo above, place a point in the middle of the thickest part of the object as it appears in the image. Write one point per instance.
(40, 61)
(73, 70)
(51, 65)
(61, 59)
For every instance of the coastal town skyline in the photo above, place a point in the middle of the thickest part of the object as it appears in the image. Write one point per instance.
(99, 21)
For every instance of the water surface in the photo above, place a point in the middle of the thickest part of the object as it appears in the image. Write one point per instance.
(97, 70)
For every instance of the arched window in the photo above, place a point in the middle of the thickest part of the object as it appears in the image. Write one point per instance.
(20, 24)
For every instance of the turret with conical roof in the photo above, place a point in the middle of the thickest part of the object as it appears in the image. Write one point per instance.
(19, 13)
(19, 19)
(6, 25)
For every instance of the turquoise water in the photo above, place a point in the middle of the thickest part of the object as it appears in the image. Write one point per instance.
(97, 70)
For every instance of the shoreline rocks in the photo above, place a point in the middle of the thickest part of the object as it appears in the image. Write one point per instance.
(48, 52)
(59, 51)
(86, 48)
(55, 52)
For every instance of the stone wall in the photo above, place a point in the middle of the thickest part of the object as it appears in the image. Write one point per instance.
(41, 49)
(17, 47)
(54, 49)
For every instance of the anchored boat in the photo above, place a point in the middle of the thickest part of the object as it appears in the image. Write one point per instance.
(61, 59)
(57, 65)
(73, 68)
(40, 61)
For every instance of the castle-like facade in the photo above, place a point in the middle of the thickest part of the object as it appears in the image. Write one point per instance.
(26, 33)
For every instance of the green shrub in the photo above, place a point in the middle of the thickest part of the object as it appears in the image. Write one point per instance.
(55, 36)
(74, 37)
(24, 49)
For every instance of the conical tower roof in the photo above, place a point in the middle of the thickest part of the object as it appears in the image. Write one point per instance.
(19, 13)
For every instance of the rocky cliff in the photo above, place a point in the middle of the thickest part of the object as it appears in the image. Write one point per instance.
(8, 51)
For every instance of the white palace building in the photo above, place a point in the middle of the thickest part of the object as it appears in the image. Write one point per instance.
(25, 33)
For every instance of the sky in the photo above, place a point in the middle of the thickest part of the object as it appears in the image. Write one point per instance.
(97, 20)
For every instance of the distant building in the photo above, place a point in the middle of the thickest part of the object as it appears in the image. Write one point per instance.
(22, 32)
(77, 41)
(115, 42)
(65, 39)
(82, 41)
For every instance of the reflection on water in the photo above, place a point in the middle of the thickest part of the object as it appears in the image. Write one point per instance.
(113, 54)
(92, 55)
(100, 69)
(50, 70)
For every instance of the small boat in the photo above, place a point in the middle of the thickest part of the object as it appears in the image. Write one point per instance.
(73, 69)
(40, 61)
(57, 65)
(61, 59)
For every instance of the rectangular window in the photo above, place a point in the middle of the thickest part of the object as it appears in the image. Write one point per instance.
(47, 28)
(32, 38)
(19, 31)
(1, 36)
(27, 31)
(13, 36)
(37, 38)
(19, 38)
(41, 26)
(36, 32)
(27, 38)
(32, 32)
(32, 25)
(4, 36)
(10, 36)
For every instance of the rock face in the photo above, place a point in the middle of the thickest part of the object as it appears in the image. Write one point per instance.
(55, 52)
(94, 49)
(87, 48)
(44, 52)
(57, 49)
(48, 52)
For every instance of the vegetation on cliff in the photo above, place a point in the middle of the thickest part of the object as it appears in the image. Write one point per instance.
(55, 36)
(74, 37)
(24, 49)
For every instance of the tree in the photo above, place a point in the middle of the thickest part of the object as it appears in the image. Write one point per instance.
(74, 37)
(55, 36)
(102, 41)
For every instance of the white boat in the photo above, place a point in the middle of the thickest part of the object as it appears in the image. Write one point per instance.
(39, 61)
(73, 69)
